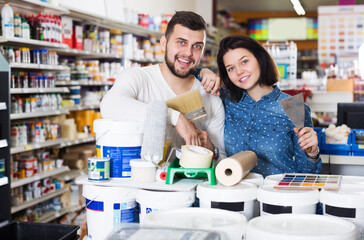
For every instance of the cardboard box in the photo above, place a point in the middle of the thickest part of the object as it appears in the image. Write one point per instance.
(67, 31)
(336, 85)
(78, 37)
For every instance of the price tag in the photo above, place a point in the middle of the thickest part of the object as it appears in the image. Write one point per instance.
(28, 147)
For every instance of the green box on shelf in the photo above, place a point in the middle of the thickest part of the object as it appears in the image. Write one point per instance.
(176, 171)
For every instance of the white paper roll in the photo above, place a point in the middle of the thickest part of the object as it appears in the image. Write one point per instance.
(195, 157)
(232, 170)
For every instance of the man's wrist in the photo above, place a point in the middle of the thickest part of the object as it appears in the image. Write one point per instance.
(314, 156)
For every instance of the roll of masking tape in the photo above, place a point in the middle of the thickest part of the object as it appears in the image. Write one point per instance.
(232, 170)
(195, 157)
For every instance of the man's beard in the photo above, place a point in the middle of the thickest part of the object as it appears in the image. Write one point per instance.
(171, 67)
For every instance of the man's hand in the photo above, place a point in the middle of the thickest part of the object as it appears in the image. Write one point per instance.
(205, 140)
(187, 131)
(210, 81)
(307, 137)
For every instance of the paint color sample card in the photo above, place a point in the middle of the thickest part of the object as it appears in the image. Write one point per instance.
(309, 181)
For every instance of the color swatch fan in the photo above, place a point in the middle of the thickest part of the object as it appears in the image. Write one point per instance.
(309, 181)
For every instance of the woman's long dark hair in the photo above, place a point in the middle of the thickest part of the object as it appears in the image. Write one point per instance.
(268, 70)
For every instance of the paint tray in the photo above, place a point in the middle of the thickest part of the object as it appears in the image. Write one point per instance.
(175, 171)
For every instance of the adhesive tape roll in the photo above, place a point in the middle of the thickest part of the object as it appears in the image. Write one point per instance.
(195, 157)
(232, 170)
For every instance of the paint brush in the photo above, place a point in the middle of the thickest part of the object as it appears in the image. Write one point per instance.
(189, 104)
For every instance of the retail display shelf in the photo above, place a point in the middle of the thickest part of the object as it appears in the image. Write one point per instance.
(82, 107)
(33, 146)
(83, 83)
(33, 202)
(39, 90)
(145, 61)
(15, 116)
(52, 215)
(39, 6)
(39, 176)
(39, 66)
(86, 54)
(3, 143)
(343, 160)
(77, 141)
(15, 41)
(3, 106)
(72, 174)
(4, 181)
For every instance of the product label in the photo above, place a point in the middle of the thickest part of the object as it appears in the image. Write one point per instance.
(119, 159)
(94, 205)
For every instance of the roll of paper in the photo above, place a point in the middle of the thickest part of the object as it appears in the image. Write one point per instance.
(232, 170)
(195, 157)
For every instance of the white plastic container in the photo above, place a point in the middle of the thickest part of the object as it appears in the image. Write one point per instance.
(277, 201)
(300, 227)
(254, 178)
(152, 200)
(120, 141)
(346, 203)
(273, 179)
(238, 198)
(231, 225)
(106, 207)
(142, 171)
(7, 20)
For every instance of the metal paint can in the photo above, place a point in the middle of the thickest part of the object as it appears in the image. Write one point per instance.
(99, 169)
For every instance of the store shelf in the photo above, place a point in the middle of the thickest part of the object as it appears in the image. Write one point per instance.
(39, 176)
(39, 6)
(85, 54)
(3, 143)
(39, 90)
(4, 181)
(16, 116)
(15, 41)
(342, 160)
(30, 147)
(52, 215)
(83, 83)
(39, 66)
(144, 61)
(77, 141)
(72, 174)
(3, 106)
(81, 107)
(358, 91)
(33, 202)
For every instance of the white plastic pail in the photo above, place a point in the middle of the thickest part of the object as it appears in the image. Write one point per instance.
(255, 178)
(106, 207)
(346, 203)
(300, 227)
(277, 201)
(120, 141)
(152, 200)
(231, 225)
(238, 198)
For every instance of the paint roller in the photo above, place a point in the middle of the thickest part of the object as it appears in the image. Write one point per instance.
(154, 132)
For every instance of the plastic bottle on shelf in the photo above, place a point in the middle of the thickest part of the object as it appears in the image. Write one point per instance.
(38, 29)
(7, 20)
(17, 25)
(25, 29)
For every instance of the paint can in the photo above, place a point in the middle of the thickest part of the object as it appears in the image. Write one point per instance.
(153, 200)
(142, 171)
(238, 198)
(300, 227)
(230, 225)
(277, 201)
(120, 141)
(99, 169)
(106, 207)
(254, 178)
(347, 203)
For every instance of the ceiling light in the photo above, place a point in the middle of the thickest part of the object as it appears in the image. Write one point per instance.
(298, 7)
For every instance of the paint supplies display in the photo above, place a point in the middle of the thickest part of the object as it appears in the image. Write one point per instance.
(98, 169)
(309, 181)
(232, 170)
(277, 201)
(238, 198)
(230, 225)
(300, 227)
(153, 200)
(106, 207)
(195, 157)
(143, 171)
(346, 203)
(120, 141)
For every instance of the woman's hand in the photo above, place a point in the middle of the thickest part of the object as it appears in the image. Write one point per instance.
(210, 81)
(307, 137)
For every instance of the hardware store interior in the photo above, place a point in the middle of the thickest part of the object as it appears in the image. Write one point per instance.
(195, 119)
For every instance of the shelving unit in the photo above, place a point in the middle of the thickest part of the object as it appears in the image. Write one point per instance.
(52, 215)
(15, 41)
(83, 83)
(29, 147)
(33, 202)
(35, 66)
(66, 176)
(39, 90)
(77, 141)
(17, 116)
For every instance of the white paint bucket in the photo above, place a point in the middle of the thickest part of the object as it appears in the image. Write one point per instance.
(273, 179)
(120, 141)
(238, 198)
(153, 200)
(231, 225)
(300, 227)
(277, 201)
(106, 207)
(254, 178)
(346, 202)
